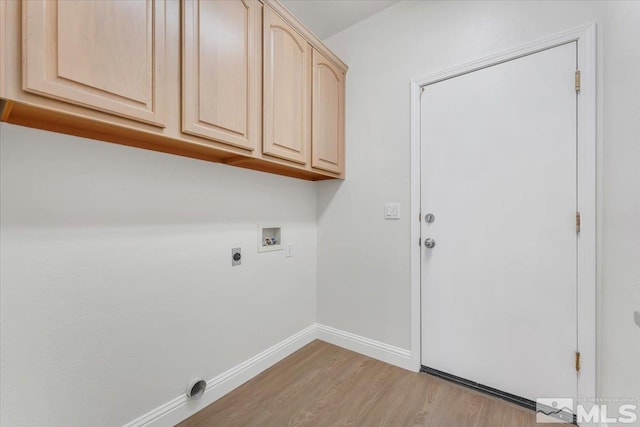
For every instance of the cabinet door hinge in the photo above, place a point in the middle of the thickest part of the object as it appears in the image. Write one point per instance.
(577, 80)
(577, 361)
(578, 222)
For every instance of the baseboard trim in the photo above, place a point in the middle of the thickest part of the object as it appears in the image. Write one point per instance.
(366, 346)
(181, 408)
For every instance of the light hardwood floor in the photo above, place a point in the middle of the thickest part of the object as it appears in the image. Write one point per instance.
(324, 385)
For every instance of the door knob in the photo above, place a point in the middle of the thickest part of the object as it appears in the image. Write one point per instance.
(429, 242)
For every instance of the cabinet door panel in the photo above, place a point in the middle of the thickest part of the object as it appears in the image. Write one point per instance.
(286, 91)
(327, 141)
(104, 55)
(222, 73)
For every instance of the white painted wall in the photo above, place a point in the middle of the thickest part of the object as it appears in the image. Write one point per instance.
(363, 260)
(117, 285)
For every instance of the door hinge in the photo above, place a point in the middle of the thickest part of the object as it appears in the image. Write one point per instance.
(577, 361)
(420, 242)
(578, 222)
(577, 80)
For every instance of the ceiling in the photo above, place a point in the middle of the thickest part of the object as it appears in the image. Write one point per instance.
(328, 17)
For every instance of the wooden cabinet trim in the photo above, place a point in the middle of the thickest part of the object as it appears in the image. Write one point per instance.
(56, 120)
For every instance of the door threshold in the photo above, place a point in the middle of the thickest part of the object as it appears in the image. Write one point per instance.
(494, 392)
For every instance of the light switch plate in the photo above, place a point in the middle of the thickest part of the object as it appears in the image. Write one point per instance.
(392, 211)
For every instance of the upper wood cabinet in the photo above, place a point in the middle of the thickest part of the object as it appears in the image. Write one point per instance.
(327, 140)
(222, 71)
(240, 82)
(287, 90)
(104, 55)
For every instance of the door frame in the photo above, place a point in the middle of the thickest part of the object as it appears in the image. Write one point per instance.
(587, 286)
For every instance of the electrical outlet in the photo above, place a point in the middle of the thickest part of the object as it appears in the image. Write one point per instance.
(236, 257)
(288, 250)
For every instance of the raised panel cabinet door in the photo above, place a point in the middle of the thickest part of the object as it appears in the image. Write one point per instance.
(327, 122)
(104, 55)
(221, 71)
(287, 89)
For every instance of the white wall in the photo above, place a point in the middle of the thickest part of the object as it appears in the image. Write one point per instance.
(117, 285)
(363, 260)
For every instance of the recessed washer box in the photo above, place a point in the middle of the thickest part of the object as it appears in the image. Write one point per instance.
(270, 238)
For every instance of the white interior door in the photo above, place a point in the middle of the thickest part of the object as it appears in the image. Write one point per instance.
(498, 172)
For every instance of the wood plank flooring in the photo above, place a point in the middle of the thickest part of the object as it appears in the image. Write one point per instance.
(324, 385)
